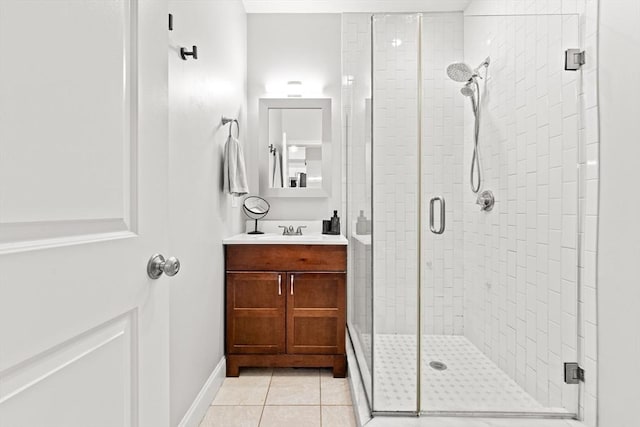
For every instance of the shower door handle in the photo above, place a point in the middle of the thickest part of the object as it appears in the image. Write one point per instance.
(443, 219)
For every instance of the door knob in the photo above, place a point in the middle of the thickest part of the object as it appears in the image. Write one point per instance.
(158, 265)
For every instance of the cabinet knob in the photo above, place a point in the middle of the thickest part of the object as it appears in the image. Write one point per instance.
(292, 284)
(279, 284)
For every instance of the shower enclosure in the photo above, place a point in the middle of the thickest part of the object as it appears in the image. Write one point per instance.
(454, 309)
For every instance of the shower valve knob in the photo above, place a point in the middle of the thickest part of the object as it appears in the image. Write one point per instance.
(486, 200)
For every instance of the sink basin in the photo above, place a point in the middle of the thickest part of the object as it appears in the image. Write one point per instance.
(310, 237)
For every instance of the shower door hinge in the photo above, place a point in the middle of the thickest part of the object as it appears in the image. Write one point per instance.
(574, 59)
(573, 373)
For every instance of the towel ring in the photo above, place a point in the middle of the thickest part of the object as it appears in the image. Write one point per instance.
(226, 120)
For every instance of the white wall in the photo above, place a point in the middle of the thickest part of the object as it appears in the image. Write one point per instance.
(201, 215)
(353, 6)
(619, 234)
(305, 47)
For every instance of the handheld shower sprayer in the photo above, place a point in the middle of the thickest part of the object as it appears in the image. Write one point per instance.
(463, 73)
(468, 90)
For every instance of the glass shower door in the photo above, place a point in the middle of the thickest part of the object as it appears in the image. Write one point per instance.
(499, 288)
(495, 315)
(444, 188)
(396, 195)
(356, 99)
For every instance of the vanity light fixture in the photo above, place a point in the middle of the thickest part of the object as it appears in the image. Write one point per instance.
(294, 89)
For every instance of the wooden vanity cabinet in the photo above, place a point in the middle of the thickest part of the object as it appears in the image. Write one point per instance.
(285, 306)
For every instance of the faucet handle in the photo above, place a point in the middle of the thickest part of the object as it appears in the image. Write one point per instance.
(284, 229)
(299, 230)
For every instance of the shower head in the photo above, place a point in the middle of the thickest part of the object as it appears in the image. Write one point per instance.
(460, 72)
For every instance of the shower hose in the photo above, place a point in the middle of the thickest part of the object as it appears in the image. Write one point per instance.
(475, 172)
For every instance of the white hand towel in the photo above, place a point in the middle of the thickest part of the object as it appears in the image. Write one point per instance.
(235, 174)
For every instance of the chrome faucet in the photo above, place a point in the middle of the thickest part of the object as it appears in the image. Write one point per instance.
(288, 231)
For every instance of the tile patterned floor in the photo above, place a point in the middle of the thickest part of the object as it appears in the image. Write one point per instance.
(282, 398)
(471, 382)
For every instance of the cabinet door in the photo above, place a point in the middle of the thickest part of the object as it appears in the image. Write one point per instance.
(316, 313)
(255, 313)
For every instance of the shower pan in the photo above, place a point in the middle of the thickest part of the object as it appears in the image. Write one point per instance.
(455, 310)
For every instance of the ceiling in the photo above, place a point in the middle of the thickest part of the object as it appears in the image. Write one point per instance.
(339, 6)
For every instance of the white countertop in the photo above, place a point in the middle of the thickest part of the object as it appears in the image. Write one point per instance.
(273, 235)
(364, 239)
(279, 239)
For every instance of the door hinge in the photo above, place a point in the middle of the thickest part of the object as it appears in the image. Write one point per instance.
(574, 59)
(573, 373)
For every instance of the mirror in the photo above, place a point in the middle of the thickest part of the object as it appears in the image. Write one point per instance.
(295, 142)
(295, 147)
(255, 208)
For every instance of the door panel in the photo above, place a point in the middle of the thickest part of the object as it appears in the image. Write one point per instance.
(80, 108)
(316, 313)
(83, 173)
(255, 313)
(71, 368)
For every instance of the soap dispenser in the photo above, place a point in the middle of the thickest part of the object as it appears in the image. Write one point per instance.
(335, 223)
(361, 224)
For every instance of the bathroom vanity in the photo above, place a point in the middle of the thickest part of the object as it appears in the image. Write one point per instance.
(285, 302)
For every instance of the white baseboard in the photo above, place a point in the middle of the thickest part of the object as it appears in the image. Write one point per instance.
(203, 400)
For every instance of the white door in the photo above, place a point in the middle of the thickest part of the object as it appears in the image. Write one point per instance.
(83, 178)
